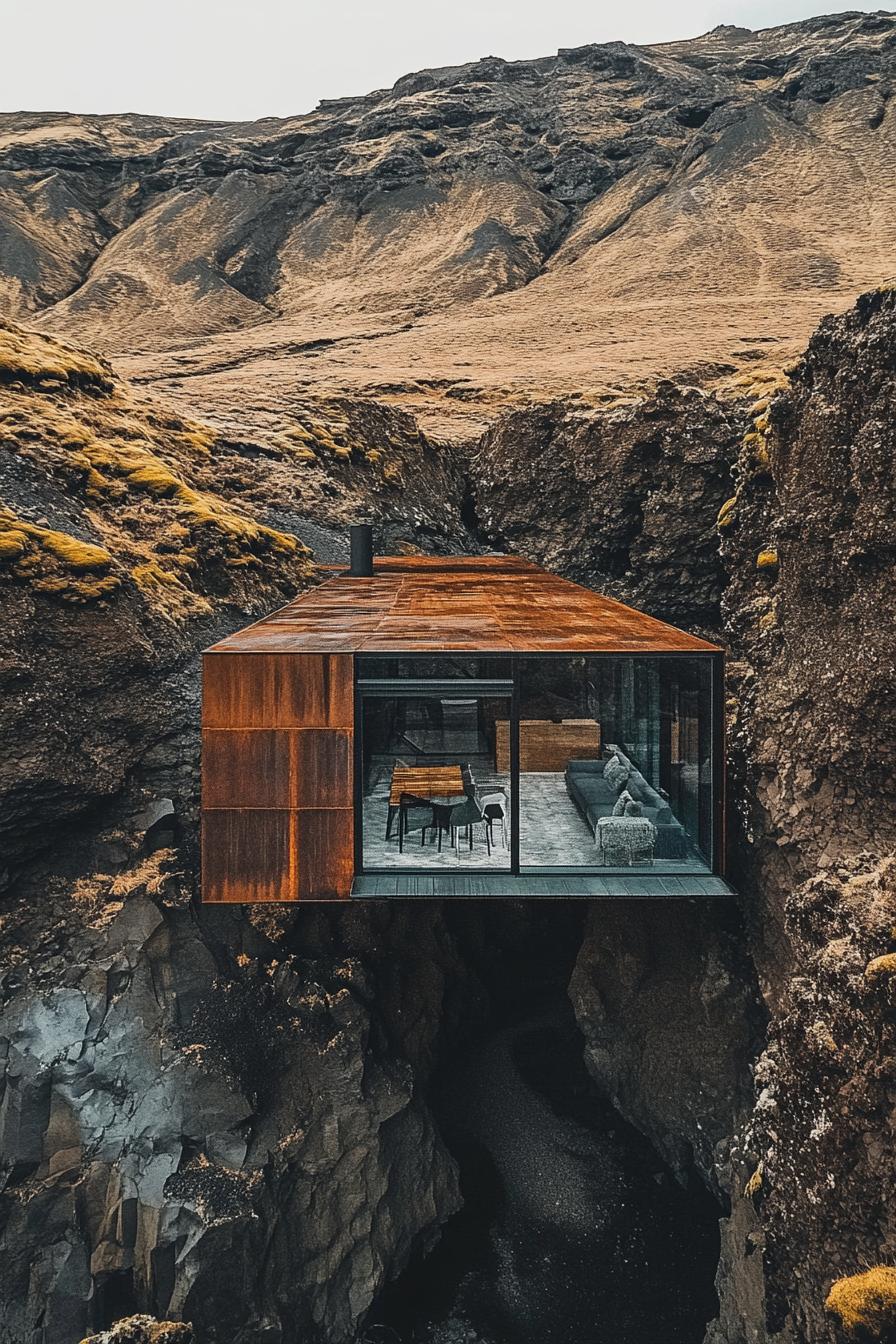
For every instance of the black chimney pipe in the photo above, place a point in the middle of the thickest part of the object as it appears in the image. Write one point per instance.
(361, 536)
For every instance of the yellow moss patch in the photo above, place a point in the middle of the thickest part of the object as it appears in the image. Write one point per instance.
(85, 590)
(12, 545)
(392, 473)
(76, 555)
(767, 559)
(169, 594)
(143, 470)
(865, 1304)
(754, 1184)
(768, 620)
(373, 455)
(343, 453)
(727, 513)
(761, 423)
(79, 556)
(881, 968)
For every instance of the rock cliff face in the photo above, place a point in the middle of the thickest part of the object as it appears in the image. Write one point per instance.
(809, 545)
(199, 1122)
(623, 499)
(811, 549)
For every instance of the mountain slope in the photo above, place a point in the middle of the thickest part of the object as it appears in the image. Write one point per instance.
(475, 234)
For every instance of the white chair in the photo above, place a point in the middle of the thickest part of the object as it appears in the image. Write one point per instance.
(494, 805)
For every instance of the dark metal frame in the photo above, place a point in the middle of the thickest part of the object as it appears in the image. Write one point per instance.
(509, 688)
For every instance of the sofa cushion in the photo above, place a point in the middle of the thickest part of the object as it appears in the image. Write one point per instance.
(616, 773)
(620, 803)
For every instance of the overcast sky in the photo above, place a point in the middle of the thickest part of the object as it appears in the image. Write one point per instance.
(220, 59)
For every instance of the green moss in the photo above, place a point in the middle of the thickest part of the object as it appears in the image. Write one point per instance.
(865, 1305)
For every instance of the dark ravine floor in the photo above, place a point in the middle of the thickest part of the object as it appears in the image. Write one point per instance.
(572, 1230)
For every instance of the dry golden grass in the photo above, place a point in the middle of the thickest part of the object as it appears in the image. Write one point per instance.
(135, 472)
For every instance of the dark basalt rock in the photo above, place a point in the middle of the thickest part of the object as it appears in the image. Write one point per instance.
(622, 500)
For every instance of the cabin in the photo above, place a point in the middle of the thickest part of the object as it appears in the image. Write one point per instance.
(460, 727)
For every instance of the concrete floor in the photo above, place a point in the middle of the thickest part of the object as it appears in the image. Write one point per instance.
(553, 833)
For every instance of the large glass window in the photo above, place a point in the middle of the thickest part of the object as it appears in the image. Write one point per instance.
(594, 762)
(616, 763)
(436, 785)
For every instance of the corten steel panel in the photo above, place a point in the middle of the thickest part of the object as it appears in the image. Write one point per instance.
(277, 740)
(277, 690)
(326, 842)
(249, 856)
(481, 603)
(256, 855)
(276, 767)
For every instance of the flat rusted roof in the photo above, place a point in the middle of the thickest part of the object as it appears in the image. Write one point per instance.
(481, 604)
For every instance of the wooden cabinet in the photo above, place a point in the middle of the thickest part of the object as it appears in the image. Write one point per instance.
(546, 745)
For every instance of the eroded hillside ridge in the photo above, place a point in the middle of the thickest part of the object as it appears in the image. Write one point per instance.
(475, 234)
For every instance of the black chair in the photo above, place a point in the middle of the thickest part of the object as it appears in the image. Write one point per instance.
(466, 815)
(414, 814)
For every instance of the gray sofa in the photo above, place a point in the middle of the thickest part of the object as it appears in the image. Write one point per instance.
(595, 797)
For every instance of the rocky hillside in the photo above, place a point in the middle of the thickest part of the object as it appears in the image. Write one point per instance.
(233, 1118)
(131, 537)
(584, 222)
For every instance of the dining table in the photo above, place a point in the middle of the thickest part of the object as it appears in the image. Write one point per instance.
(438, 784)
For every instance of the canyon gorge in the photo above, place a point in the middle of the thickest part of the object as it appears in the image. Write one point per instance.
(574, 309)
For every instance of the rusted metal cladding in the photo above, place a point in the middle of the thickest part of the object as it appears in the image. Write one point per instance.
(277, 777)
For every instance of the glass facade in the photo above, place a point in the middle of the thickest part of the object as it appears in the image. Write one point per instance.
(616, 762)
(585, 762)
(433, 792)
